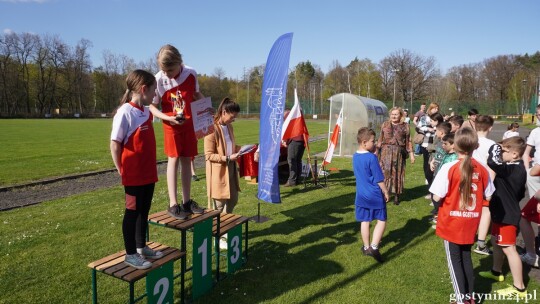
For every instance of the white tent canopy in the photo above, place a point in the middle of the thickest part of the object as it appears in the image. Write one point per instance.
(358, 111)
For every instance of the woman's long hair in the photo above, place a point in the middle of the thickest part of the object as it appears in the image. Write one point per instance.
(465, 142)
(229, 106)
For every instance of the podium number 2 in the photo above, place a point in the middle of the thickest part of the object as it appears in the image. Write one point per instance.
(203, 251)
(235, 242)
(163, 282)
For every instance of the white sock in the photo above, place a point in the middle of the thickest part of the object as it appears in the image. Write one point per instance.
(374, 246)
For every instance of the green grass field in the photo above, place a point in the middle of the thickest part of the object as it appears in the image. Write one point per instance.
(309, 252)
(35, 149)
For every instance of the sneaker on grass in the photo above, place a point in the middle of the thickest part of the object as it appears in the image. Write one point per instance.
(366, 251)
(483, 250)
(193, 207)
(376, 254)
(490, 275)
(149, 253)
(177, 212)
(530, 260)
(511, 292)
(137, 261)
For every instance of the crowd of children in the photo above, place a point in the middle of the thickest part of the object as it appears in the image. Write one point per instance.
(477, 184)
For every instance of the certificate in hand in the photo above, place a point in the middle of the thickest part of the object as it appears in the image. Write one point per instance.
(203, 117)
(246, 149)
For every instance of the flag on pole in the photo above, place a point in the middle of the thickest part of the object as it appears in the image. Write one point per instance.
(272, 104)
(294, 125)
(334, 139)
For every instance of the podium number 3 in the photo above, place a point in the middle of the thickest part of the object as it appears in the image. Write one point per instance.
(165, 283)
(235, 242)
(203, 251)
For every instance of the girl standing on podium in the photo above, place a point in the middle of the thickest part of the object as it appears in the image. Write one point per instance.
(133, 150)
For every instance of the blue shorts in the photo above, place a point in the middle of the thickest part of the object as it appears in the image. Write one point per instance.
(368, 215)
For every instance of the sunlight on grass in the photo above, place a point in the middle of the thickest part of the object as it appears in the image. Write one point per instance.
(309, 252)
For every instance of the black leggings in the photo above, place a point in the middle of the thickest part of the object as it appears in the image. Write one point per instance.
(461, 269)
(138, 201)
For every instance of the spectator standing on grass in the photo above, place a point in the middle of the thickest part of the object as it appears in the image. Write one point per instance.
(371, 193)
(133, 150)
(460, 187)
(456, 121)
(426, 125)
(530, 214)
(221, 153)
(441, 131)
(449, 156)
(394, 146)
(533, 181)
(484, 124)
(505, 161)
(295, 151)
(406, 119)
(513, 129)
(416, 118)
(471, 119)
(177, 88)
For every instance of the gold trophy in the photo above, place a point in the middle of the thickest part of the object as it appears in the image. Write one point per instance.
(178, 106)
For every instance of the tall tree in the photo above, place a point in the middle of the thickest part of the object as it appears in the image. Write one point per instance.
(410, 70)
(498, 72)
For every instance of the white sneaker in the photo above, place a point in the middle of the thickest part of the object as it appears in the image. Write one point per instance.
(530, 260)
(137, 261)
(149, 253)
(223, 243)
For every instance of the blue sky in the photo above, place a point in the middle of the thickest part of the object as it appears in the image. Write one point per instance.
(236, 34)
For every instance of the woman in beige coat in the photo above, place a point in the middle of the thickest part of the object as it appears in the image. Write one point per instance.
(220, 153)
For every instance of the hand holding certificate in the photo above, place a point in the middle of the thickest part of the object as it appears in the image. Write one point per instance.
(246, 149)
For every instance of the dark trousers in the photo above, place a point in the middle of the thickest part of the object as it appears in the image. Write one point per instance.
(135, 224)
(461, 268)
(427, 170)
(295, 151)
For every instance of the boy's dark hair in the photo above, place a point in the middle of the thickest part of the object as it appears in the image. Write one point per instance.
(449, 138)
(457, 119)
(473, 112)
(483, 123)
(445, 127)
(516, 144)
(364, 134)
(437, 116)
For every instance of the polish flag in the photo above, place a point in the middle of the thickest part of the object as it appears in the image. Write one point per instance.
(334, 139)
(294, 125)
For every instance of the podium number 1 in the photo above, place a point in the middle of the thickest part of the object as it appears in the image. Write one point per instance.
(203, 250)
(202, 263)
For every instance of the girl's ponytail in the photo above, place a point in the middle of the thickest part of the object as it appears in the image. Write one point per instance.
(126, 97)
(465, 142)
(465, 182)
